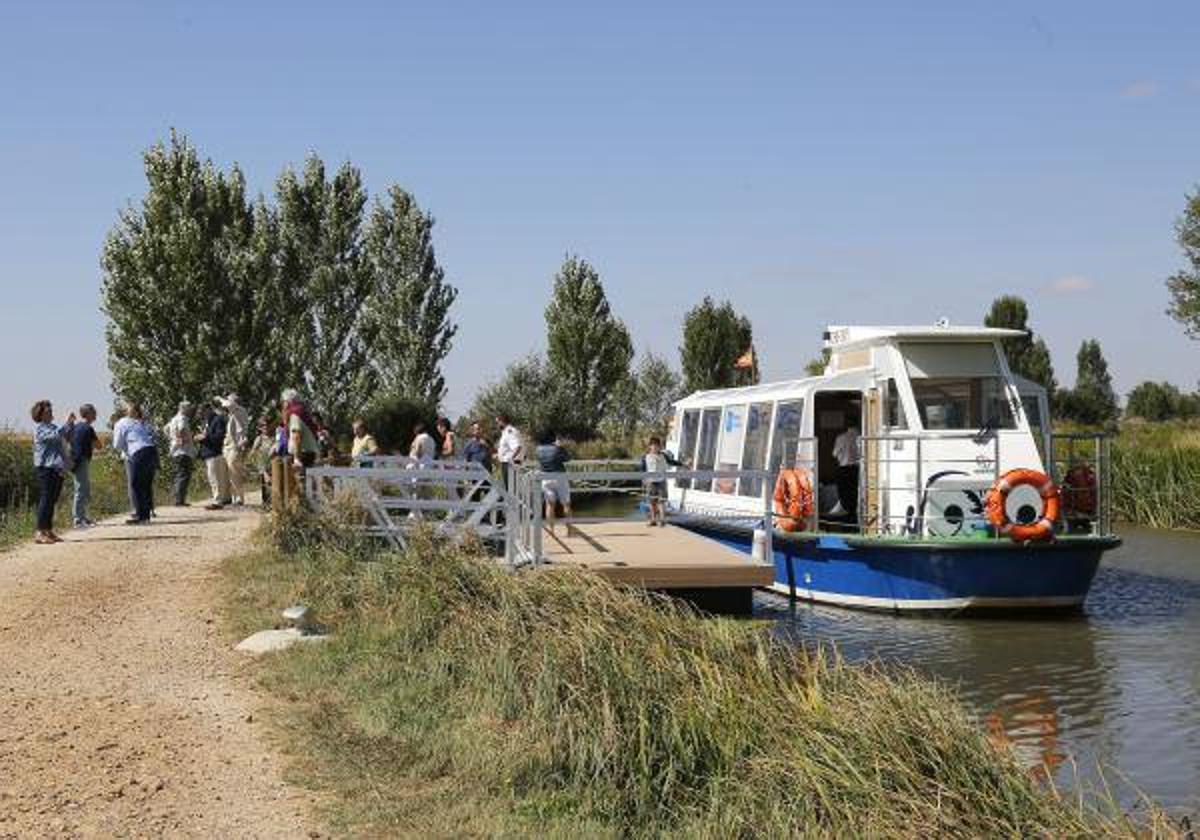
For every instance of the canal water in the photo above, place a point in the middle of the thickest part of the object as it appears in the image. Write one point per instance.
(1114, 690)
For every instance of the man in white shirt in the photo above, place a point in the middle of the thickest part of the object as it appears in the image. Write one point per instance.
(424, 447)
(181, 440)
(237, 440)
(511, 448)
(845, 452)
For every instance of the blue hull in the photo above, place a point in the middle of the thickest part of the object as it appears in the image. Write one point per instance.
(874, 573)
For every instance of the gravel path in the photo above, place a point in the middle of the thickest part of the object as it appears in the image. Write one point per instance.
(123, 709)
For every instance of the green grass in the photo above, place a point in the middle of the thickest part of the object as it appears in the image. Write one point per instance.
(1156, 473)
(458, 699)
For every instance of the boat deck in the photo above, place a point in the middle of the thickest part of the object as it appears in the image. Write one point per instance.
(629, 553)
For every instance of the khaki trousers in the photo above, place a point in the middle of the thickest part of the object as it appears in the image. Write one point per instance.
(218, 479)
(235, 466)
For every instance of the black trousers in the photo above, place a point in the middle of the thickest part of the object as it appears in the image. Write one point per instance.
(847, 485)
(183, 477)
(142, 466)
(50, 482)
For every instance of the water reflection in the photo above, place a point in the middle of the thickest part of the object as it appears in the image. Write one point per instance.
(1117, 686)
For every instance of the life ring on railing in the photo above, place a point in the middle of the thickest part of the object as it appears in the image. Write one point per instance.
(793, 499)
(997, 513)
(1079, 498)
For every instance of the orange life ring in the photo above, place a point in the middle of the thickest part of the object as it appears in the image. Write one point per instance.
(997, 513)
(793, 499)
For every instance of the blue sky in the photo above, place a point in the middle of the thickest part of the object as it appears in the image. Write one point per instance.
(814, 163)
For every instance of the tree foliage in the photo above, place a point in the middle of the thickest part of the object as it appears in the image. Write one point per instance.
(206, 292)
(715, 337)
(321, 231)
(1184, 285)
(1092, 401)
(1028, 356)
(641, 403)
(588, 348)
(410, 303)
(1161, 401)
(183, 313)
(530, 395)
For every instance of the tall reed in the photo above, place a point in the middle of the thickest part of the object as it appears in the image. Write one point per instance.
(1156, 475)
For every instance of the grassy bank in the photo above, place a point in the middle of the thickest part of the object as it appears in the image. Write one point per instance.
(1156, 472)
(458, 699)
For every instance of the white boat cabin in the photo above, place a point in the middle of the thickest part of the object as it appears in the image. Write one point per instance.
(939, 417)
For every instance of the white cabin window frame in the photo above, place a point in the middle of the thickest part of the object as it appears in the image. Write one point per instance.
(728, 486)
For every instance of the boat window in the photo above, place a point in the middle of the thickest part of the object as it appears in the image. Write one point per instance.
(787, 434)
(733, 431)
(754, 452)
(931, 360)
(706, 452)
(963, 403)
(687, 444)
(893, 409)
(1033, 416)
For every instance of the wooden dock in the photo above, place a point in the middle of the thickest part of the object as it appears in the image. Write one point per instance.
(629, 553)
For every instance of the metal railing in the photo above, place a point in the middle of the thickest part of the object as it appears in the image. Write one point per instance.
(972, 475)
(1080, 464)
(452, 495)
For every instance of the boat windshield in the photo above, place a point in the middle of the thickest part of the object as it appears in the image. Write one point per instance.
(963, 403)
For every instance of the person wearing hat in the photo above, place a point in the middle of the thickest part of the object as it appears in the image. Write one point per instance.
(237, 440)
(181, 440)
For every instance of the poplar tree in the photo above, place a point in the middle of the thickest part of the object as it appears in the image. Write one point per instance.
(409, 307)
(1092, 401)
(715, 338)
(1027, 356)
(321, 260)
(182, 314)
(588, 348)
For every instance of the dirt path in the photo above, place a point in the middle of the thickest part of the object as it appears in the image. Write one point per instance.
(123, 710)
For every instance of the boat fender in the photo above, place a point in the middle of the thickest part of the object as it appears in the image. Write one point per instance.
(793, 499)
(997, 511)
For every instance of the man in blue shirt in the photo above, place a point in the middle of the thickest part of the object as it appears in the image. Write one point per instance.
(133, 437)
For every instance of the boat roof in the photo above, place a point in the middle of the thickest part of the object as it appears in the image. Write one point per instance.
(840, 336)
(764, 390)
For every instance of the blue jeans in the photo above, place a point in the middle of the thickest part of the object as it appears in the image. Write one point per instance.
(83, 490)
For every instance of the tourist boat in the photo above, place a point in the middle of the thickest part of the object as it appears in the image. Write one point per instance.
(955, 494)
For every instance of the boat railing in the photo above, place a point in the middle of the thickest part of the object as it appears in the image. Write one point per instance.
(1079, 466)
(1080, 463)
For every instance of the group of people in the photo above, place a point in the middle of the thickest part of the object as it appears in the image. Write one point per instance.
(70, 448)
(220, 435)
